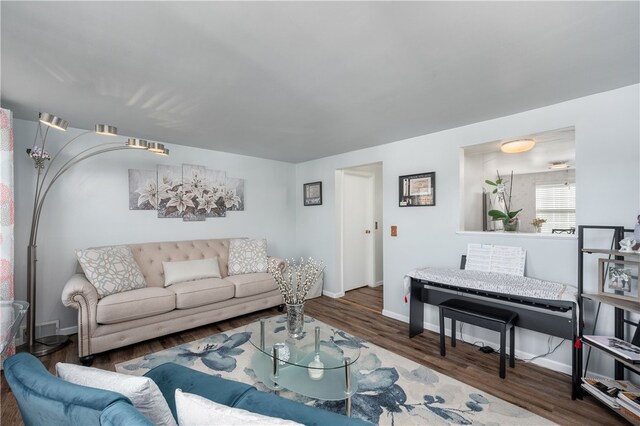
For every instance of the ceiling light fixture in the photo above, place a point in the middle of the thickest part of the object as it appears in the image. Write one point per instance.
(558, 165)
(517, 146)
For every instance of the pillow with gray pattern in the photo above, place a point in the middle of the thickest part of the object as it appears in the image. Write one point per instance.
(247, 256)
(111, 269)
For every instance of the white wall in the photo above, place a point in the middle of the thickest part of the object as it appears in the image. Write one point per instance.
(608, 192)
(89, 207)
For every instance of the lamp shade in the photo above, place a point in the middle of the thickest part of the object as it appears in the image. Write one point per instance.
(517, 146)
(156, 147)
(105, 129)
(53, 121)
(137, 143)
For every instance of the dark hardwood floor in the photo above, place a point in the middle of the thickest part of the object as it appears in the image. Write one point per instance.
(542, 391)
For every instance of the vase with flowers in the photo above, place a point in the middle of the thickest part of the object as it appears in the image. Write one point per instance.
(537, 223)
(504, 212)
(294, 281)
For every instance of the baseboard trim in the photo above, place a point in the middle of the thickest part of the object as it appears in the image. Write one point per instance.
(543, 362)
(332, 295)
(68, 331)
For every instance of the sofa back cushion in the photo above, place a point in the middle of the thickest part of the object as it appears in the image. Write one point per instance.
(150, 256)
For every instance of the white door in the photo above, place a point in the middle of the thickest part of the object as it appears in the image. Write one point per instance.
(358, 233)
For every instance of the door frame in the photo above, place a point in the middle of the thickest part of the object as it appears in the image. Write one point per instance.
(340, 215)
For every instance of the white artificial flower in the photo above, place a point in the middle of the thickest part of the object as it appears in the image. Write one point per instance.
(231, 199)
(206, 203)
(196, 184)
(149, 192)
(180, 201)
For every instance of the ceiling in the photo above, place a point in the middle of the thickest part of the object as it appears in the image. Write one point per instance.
(295, 81)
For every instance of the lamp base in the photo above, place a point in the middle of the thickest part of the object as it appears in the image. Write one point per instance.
(48, 344)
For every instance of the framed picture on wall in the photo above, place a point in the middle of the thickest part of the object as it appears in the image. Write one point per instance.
(417, 190)
(313, 194)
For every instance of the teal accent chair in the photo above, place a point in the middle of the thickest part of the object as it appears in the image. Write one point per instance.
(170, 377)
(46, 400)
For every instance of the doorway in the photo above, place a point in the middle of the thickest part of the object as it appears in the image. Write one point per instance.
(359, 212)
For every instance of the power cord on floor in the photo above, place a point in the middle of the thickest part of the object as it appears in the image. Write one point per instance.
(549, 350)
(488, 349)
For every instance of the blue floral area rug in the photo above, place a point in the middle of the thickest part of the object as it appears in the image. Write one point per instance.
(392, 390)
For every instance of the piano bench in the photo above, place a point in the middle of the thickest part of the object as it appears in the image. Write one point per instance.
(484, 316)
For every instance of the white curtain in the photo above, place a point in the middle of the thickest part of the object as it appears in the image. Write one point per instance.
(6, 220)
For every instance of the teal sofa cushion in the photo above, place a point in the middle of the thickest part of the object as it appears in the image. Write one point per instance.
(44, 399)
(121, 413)
(170, 377)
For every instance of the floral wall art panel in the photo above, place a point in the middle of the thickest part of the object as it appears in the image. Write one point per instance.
(143, 189)
(196, 191)
(234, 194)
(172, 201)
(215, 201)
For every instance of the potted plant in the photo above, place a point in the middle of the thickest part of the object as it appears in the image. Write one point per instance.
(537, 223)
(508, 216)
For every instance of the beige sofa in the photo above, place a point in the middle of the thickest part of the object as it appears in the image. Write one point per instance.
(129, 317)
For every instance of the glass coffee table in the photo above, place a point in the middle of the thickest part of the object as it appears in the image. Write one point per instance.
(317, 364)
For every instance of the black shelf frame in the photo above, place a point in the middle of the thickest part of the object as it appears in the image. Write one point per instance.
(619, 313)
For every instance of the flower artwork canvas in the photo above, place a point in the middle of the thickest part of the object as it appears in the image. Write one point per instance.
(143, 190)
(234, 194)
(172, 201)
(196, 189)
(213, 203)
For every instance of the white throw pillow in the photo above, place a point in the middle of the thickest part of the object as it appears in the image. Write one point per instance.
(194, 410)
(247, 256)
(142, 391)
(111, 269)
(189, 270)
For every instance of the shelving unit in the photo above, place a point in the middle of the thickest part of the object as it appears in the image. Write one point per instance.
(621, 306)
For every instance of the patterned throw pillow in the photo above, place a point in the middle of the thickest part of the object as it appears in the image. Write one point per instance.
(247, 256)
(111, 269)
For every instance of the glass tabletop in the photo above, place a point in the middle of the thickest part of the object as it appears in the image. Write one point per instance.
(333, 348)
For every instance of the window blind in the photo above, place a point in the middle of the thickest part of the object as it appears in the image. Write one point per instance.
(557, 204)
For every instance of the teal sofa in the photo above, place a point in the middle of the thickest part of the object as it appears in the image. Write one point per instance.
(44, 399)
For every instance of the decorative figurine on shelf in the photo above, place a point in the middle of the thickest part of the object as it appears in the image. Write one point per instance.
(537, 224)
(627, 245)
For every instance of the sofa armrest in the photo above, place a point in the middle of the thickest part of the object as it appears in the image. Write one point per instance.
(282, 264)
(80, 294)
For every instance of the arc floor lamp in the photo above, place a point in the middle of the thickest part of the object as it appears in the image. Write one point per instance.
(48, 172)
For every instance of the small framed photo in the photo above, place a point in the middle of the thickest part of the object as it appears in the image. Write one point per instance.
(418, 190)
(313, 194)
(619, 278)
